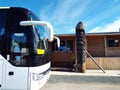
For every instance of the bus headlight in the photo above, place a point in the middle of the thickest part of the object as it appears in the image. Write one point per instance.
(37, 76)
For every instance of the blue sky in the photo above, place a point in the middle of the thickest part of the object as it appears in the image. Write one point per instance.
(97, 15)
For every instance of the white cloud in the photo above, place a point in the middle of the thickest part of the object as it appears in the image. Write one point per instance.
(111, 27)
(67, 13)
(63, 11)
(64, 14)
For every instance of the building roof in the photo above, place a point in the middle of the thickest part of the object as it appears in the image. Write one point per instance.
(92, 34)
(103, 33)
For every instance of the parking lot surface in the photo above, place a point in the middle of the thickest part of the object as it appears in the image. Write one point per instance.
(91, 80)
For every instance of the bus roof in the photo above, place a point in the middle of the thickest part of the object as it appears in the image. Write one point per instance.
(4, 7)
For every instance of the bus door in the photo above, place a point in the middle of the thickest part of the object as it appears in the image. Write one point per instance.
(16, 73)
(3, 20)
(1, 73)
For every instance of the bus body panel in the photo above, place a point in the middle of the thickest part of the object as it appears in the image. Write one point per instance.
(39, 76)
(23, 78)
(1, 73)
(14, 78)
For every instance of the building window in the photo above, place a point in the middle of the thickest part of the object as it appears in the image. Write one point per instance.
(70, 45)
(65, 46)
(113, 43)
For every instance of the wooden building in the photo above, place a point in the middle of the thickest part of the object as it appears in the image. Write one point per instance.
(104, 47)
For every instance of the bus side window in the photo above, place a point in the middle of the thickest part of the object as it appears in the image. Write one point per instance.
(3, 43)
(2, 31)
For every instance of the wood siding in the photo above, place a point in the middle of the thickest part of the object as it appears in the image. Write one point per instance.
(113, 52)
(96, 46)
(62, 59)
(108, 63)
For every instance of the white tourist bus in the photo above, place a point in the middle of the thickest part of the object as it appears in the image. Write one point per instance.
(24, 53)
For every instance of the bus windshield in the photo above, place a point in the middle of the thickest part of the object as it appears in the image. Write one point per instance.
(40, 30)
(40, 34)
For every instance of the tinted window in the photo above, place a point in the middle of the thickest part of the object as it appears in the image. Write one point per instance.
(3, 21)
(18, 49)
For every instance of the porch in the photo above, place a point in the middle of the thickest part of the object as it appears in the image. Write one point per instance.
(67, 60)
(103, 47)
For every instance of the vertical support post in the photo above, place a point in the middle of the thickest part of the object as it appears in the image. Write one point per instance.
(80, 44)
(105, 41)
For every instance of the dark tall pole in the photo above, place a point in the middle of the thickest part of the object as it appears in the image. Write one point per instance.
(81, 43)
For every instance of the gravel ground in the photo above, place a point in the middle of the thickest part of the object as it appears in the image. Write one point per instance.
(72, 81)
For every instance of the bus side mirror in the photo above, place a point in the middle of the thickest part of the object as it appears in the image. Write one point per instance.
(58, 41)
(50, 32)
